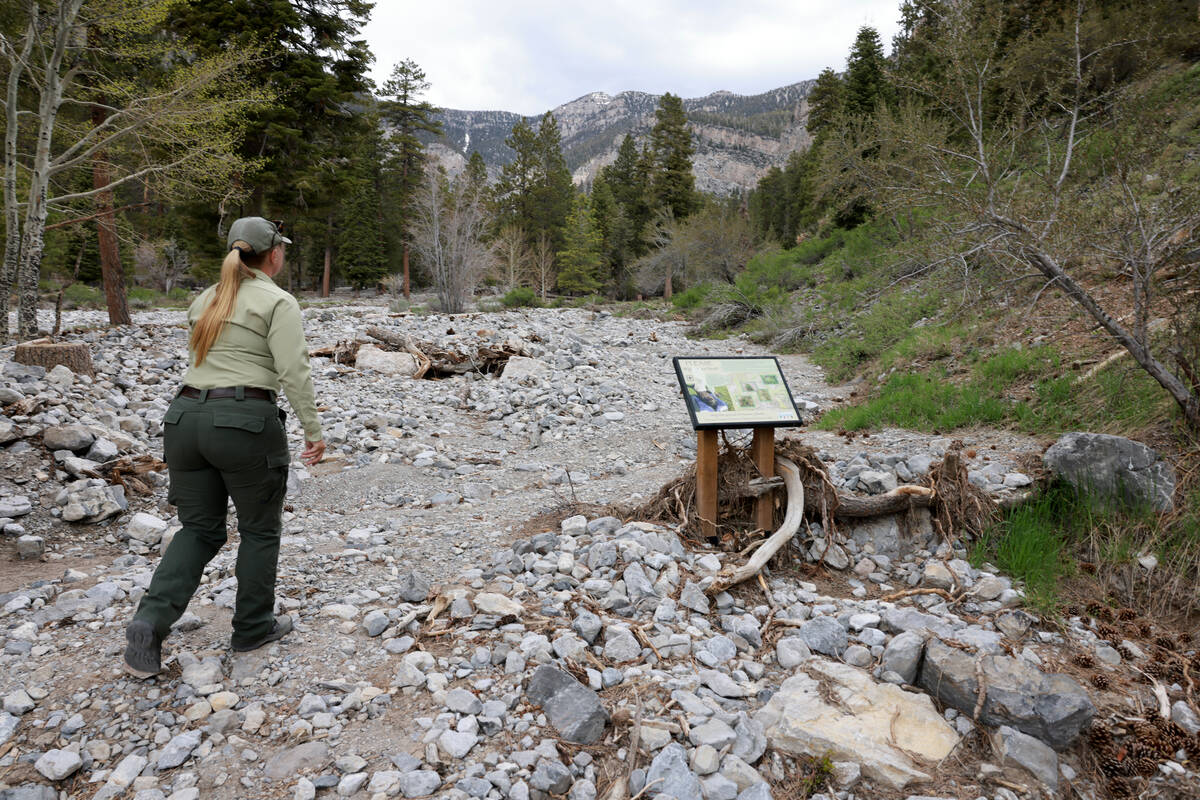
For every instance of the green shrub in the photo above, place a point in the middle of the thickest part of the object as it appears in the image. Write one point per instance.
(141, 297)
(692, 297)
(80, 295)
(179, 295)
(520, 297)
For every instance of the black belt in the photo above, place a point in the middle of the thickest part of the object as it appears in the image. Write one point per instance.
(228, 391)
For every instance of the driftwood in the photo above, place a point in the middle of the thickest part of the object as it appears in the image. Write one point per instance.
(439, 363)
(344, 352)
(75, 356)
(127, 471)
(899, 499)
(765, 551)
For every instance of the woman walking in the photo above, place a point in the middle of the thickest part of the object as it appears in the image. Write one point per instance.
(223, 437)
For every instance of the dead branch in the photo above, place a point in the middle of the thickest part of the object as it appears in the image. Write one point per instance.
(791, 524)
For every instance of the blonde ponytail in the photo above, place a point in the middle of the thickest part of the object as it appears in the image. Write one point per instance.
(234, 270)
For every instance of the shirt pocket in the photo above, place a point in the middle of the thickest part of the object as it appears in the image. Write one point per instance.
(244, 422)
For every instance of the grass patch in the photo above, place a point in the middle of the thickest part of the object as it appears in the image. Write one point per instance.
(1019, 387)
(1033, 544)
(1047, 540)
(922, 402)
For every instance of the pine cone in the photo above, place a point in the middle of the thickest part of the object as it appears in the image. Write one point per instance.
(1127, 615)
(1166, 643)
(1088, 567)
(1146, 630)
(1083, 660)
(1108, 632)
(1111, 767)
(1100, 736)
(1174, 735)
(1150, 742)
(1100, 681)
(1099, 610)
(1073, 611)
(1121, 787)
(1126, 652)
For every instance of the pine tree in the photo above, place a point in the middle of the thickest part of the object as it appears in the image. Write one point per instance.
(826, 102)
(534, 191)
(673, 187)
(866, 79)
(407, 116)
(361, 256)
(580, 260)
(476, 170)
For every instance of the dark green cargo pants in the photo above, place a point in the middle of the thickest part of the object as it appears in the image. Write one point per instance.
(218, 449)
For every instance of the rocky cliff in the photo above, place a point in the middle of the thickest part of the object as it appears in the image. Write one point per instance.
(737, 137)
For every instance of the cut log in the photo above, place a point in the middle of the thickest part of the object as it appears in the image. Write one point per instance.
(75, 356)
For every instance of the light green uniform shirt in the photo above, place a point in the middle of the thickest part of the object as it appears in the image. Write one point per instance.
(262, 345)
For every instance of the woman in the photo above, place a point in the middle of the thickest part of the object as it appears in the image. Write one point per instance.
(223, 437)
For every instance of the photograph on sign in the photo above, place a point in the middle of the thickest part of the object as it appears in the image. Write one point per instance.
(736, 392)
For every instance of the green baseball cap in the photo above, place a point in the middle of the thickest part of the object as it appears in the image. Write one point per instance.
(261, 234)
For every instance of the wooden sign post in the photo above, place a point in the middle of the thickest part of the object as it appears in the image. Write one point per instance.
(706, 482)
(763, 451)
(734, 392)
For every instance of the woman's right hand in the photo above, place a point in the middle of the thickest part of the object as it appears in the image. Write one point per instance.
(313, 452)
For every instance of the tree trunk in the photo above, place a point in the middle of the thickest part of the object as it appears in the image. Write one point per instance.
(404, 260)
(329, 257)
(1189, 403)
(667, 288)
(12, 213)
(111, 271)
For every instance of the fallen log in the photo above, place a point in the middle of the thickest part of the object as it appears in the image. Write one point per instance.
(444, 363)
(898, 499)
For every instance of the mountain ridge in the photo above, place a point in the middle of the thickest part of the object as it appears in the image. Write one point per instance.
(737, 137)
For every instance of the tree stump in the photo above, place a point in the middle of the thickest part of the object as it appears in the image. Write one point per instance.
(75, 356)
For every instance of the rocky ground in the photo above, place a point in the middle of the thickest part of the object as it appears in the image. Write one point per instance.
(456, 637)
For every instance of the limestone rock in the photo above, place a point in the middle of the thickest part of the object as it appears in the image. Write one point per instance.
(881, 727)
(403, 365)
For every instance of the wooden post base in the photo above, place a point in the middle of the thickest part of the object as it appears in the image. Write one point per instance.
(706, 482)
(762, 449)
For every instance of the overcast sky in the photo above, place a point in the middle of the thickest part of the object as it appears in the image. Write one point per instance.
(529, 56)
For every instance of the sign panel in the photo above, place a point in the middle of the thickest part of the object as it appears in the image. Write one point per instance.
(736, 392)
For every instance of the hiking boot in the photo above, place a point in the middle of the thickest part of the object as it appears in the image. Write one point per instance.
(281, 628)
(143, 655)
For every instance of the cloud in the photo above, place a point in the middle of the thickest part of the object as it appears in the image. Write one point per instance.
(531, 55)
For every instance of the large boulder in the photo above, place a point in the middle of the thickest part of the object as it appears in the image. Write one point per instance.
(1049, 706)
(840, 712)
(384, 362)
(571, 707)
(1113, 468)
(75, 438)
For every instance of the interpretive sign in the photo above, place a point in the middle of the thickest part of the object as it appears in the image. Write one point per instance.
(736, 392)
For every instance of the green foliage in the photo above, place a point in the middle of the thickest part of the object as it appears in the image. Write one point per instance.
(672, 184)
(580, 260)
(922, 402)
(141, 297)
(692, 297)
(875, 330)
(534, 191)
(521, 297)
(826, 102)
(1032, 543)
(80, 295)
(866, 78)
